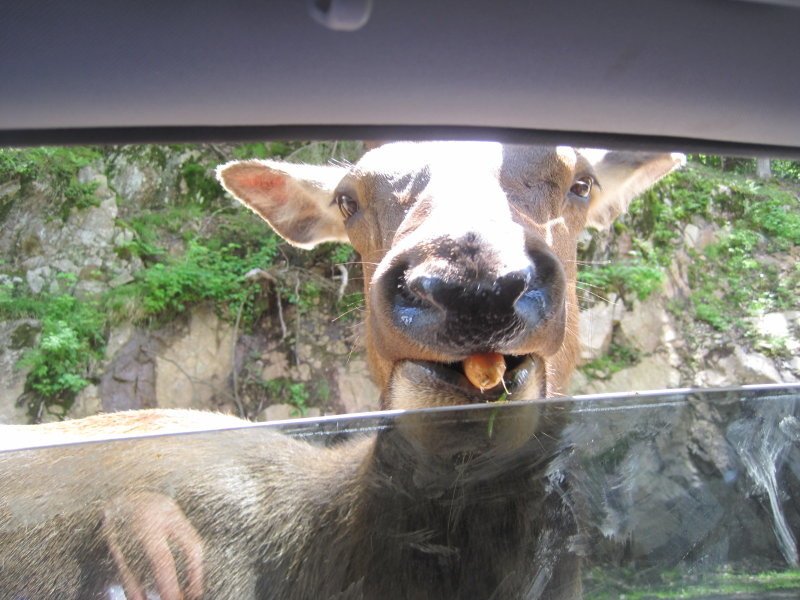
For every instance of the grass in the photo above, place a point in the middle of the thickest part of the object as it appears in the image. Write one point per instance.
(735, 276)
(56, 167)
(617, 358)
(605, 584)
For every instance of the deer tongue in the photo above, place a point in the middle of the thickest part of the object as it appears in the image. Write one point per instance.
(486, 370)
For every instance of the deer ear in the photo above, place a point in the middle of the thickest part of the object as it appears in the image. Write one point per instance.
(295, 200)
(621, 177)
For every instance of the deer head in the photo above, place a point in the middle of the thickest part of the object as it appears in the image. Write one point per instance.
(468, 248)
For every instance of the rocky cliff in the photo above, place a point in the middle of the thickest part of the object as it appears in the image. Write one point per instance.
(129, 280)
(697, 286)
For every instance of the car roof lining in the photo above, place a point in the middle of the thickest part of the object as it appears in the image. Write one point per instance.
(175, 135)
(693, 74)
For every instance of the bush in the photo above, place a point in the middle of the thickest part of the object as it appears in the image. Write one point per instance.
(58, 167)
(72, 337)
(635, 278)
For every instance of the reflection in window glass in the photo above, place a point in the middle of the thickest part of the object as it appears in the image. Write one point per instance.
(646, 494)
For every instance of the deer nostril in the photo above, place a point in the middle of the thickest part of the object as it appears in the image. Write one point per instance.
(508, 288)
(424, 288)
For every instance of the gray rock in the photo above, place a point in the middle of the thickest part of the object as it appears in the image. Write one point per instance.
(123, 237)
(15, 338)
(652, 373)
(662, 480)
(301, 372)
(699, 237)
(43, 247)
(794, 365)
(710, 378)
(89, 288)
(578, 384)
(87, 403)
(96, 225)
(129, 381)
(691, 233)
(357, 392)
(773, 324)
(742, 368)
(38, 278)
(118, 337)
(677, 284)
(645, 326)
(9, 188)
(778, 326)
(121, 279)
(94, 174)
(29, 263)
(136, 183)
(277, 412)
(64, 265)
(193, 367)
(596, 328)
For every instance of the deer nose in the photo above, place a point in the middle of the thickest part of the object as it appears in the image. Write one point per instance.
(496, 297)
(461, 312)
(464, 315)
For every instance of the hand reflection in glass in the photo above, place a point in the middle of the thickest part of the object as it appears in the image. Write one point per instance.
(142, 530)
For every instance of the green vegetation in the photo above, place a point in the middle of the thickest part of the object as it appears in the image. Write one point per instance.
(351, 306)
(786, 169)
(150, 228)
(285, 391)
(57, 168)
(304, 295)
(733, 276)
(774, 347)
(637, 277)
(301, 151)
(617, 358)
(197, 247)
(210, 269)
(340, 254)
(263, 150)
(602, 583)
(71, 339)
(202, 187)
(207, 271)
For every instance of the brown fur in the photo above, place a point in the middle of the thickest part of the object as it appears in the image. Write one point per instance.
(427, 508)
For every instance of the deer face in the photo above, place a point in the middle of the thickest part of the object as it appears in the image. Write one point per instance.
(468, 249)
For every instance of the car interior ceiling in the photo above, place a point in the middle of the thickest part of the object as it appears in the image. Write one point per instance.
(706, 76)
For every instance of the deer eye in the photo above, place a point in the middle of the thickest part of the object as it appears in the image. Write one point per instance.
(582, 187)
(347, 205)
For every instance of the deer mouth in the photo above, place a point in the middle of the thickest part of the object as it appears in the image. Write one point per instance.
(521, 380)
